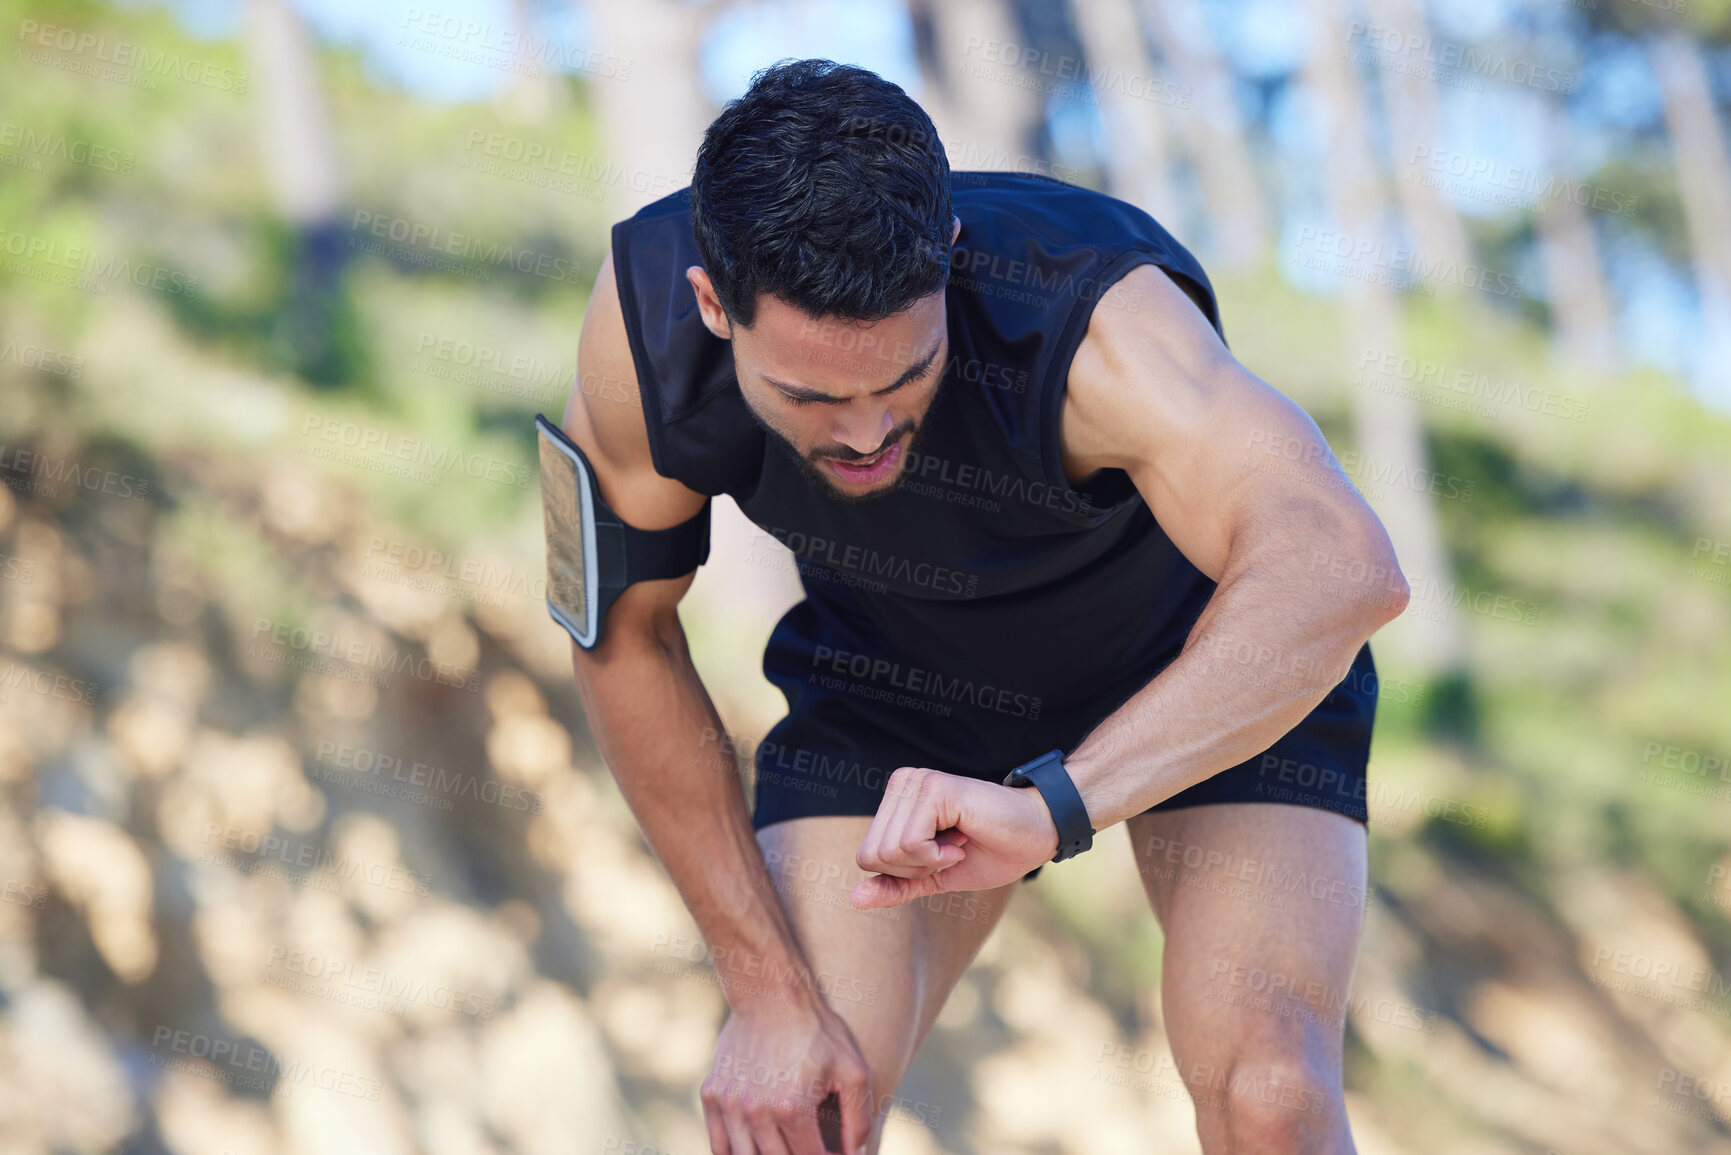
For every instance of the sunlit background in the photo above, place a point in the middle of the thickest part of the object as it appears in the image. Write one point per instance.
(304, 846)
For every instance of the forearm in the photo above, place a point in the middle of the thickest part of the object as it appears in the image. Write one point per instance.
(683, 786)
(1268, 647)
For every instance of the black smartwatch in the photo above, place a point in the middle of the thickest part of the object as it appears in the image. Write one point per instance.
(1047, 775)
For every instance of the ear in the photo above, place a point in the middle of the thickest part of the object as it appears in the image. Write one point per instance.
(955, 231)
(708, 304)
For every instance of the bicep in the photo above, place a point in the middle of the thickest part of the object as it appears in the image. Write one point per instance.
(1220, 456)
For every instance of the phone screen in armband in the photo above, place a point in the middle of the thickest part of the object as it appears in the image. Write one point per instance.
(568, 504)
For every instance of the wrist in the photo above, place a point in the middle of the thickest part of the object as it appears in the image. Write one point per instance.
(760, 995)
(1048, 827)
(1063, 801)
(774, 999)
(774, 976)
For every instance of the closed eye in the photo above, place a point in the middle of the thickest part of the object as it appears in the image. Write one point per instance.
(916, 372)
(799, 399)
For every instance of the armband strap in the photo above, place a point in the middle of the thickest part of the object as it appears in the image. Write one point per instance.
(592, 554)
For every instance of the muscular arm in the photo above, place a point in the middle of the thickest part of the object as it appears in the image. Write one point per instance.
(1243, 483)
(645, 704)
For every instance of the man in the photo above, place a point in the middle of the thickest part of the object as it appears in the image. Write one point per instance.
(1036, 506)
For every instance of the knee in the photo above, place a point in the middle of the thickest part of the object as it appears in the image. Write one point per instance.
(1278, 1104)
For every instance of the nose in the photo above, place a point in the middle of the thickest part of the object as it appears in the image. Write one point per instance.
(864, 435)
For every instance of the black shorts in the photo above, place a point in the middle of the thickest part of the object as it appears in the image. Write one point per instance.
(845, 735)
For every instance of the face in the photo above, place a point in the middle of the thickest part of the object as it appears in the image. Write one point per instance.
(846, 401)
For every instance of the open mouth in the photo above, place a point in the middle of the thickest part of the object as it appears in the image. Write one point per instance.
(875, 468)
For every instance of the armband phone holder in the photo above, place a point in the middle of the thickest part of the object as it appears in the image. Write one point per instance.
(592, 555)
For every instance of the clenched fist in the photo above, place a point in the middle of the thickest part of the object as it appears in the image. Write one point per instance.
(937, 832)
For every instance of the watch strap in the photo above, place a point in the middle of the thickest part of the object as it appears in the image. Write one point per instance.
(1047, 775)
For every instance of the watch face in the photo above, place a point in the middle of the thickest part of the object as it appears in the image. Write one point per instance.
(568, 509)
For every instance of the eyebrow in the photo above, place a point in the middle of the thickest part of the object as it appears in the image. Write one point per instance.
(917, 369)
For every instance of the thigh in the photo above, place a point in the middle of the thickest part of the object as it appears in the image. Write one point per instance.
(1262, 905)
(887, 972)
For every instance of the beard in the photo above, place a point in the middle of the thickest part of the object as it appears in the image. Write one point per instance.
(824, 484)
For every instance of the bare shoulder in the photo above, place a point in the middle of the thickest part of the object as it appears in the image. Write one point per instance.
(605, 416)
(1147, 345)
(1154, 391)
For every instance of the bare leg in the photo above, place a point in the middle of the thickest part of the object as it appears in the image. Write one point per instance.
(1262, 905)
(885, 972)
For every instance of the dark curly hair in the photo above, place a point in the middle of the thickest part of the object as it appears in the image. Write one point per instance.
(826, 186)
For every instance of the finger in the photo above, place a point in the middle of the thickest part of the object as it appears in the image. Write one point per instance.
(907, 829)
(951, 837)
(738, 1130)
(949, 845)
(801, 1132)
(763, 1117)
(867, 857)
(712, 1119)
(897, 796)
(907, 809)
(828, 1115)
(917, 844)
(873, 893)
(928, 843)
(853, 1089)
(888, 890)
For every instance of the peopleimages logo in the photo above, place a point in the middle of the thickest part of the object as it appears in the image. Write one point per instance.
(927, 683)
(29, 471)
(966, 475)
(988, 272)
(449, 243)
(371, 987)
(871, 563)
(44, 143)
(1368, 258)
(114, 60)
(510, 48)
(1486, 178)
(1472, 384)
(369, 768)
(67, 689)
(1078, 79)
(244, 1064)
(414, 457)
(301, 648)
(45, 258)
(1441, 58)
(41, 359)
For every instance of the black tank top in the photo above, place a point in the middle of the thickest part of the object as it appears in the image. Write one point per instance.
(986, 563)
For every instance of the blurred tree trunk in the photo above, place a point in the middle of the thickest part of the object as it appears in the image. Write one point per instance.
(311, 325)
(532, 95)
(299, 156)
(1698, 145)
(1135, 160)
(1582, 315)
(653, 120)
(1388, 426)
(1410, 103)
(1703, 176)
(984, 121)
(1213, 132)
